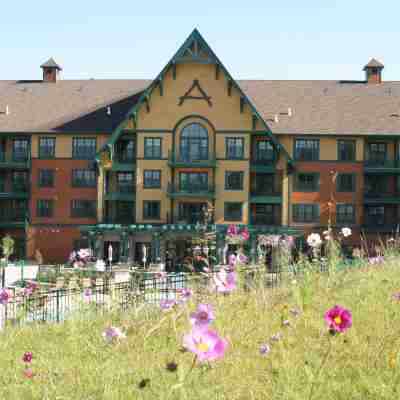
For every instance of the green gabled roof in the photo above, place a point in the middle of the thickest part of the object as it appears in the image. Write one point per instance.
(194, 37)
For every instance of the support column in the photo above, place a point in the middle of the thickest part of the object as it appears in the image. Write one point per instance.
(100, 195)
(220, 244)
(285, 197)
(99, 247)
(92, 242)
(155, 247)
(124, 246)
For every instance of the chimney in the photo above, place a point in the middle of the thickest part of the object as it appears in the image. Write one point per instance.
(51, 71)
(373, 71)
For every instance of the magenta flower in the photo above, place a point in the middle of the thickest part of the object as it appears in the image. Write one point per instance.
(245, 234)
(338, 319)
(167, 304)
(225, 282)
(27, 357)
(161, 275)
(113, 333)
(232, 230)
(202, 316)
(5, 296)
(206, 344)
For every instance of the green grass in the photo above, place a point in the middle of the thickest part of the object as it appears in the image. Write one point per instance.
(72, 361)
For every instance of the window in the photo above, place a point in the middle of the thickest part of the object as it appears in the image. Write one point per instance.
(45, 208)
(307, 182)
(192, 181)
(20, 181)
(152, 179)
(46, 177)
(83, 178)
(191, 213)
(194, 143)
(376, 153)
(345, 214)
(125, 182)
(263, 151)
(125, 212)
(375, 215)
(306, 149)
(263, 184)
(346, 183)
(125, 151)
(83, 208)
(376, 185)
(233, 211)
(152, 147)
(263, 214)
(305, 213)
(151, 209)
(234, 148)
(47, 147)
(233, 180)
(20, 150)
(346, 150)
(84, 148)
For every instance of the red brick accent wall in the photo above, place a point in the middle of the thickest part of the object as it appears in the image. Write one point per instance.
(62, 193)
(328, 188)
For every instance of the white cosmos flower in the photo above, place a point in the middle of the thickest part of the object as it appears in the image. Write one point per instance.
(346, 232)
(314, 240)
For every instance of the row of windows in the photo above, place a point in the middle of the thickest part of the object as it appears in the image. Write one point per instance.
(308, 150)
(20, 150)
(82, 148)
(310, 182)
(79, 208)
(80, 178)
(232, 210)
(306, 213)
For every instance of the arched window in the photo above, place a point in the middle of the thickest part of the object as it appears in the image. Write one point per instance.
(194, 143)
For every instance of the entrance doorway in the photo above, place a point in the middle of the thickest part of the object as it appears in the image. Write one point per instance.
(191, 213)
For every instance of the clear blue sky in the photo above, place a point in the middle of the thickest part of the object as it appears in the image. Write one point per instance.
(290, 39)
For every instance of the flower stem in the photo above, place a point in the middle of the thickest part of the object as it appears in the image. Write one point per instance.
(324, 360)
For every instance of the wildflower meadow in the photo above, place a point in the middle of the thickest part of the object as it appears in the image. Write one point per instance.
(316, 336)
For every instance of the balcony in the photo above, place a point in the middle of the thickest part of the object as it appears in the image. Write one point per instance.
(382, 166)
(263, 165)
(197, 191)
(123, 164)
(12, 218)
(266, 220)
(379, 227)
(267, 196)
(185, 161)
(120, 196)
(381, 198)
(15, 161)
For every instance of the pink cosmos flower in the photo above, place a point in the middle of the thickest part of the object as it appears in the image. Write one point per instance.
(184, 294)
(242, 259)
(5, 296)
(225, 282)
(277, 337)
(113, 333)
(202, 316)
(232, 260)
(28, 373)
(338, 319)
(27, 357)
(161, 275)
(232, 230)
(245, 234)
(205, 343)
(167, 304)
